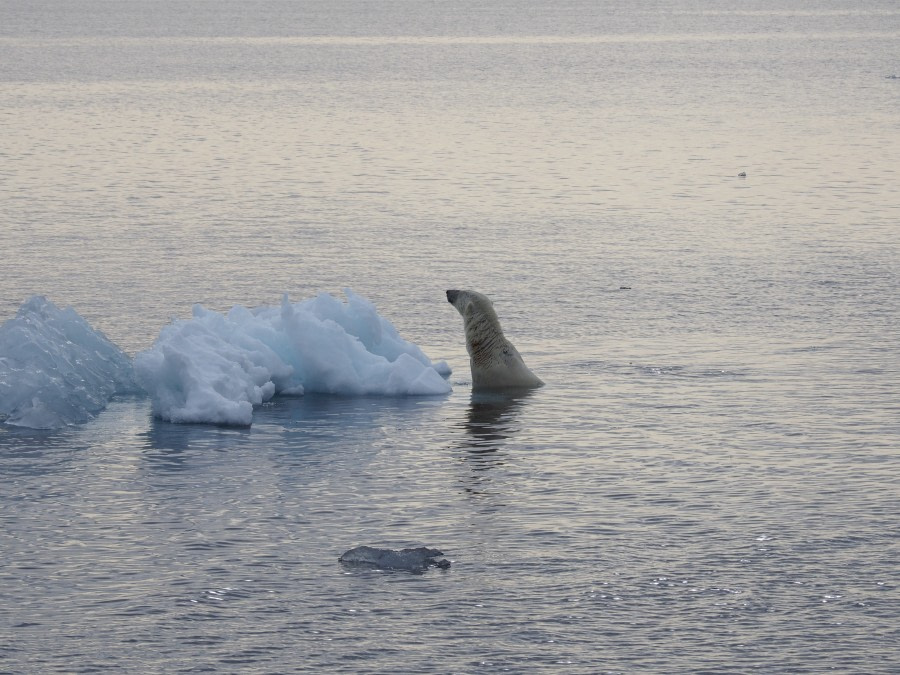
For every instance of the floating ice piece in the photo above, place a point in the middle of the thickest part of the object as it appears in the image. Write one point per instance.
(412, 559)
(214, 368)
(55, 369)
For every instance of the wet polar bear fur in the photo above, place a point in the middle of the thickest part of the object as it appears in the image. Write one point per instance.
(495, 362)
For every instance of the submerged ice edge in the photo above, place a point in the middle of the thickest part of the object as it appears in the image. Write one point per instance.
(213, 368)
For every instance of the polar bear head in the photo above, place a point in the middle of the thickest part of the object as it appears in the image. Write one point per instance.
(479, 318)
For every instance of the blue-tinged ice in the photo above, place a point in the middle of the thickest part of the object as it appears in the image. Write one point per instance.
(214, 368)
(55, 369)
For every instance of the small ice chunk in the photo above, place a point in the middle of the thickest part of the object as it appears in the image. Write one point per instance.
(412, 559)
(214, 368)
(55, 369)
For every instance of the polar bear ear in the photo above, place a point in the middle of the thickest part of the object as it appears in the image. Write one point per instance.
(469, 310)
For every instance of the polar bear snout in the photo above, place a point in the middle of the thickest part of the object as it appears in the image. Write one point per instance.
(451, 296)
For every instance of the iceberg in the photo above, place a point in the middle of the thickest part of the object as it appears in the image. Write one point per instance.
(214, 368)
(55, 369)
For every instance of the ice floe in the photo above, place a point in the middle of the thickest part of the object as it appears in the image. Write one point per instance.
(55, 369)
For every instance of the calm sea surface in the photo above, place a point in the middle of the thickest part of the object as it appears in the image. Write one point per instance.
(709, 480)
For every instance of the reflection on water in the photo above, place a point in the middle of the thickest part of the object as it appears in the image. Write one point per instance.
(175, 438)
(294, 427)
(491, 420)
(34, 452)
(490, 426)
(168, 447)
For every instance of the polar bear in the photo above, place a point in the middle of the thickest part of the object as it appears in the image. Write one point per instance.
(495, 362)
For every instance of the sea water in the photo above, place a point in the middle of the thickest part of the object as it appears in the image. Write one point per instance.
(707, 482)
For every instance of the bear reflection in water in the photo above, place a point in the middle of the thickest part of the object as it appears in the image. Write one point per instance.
(492, 419)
